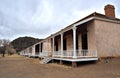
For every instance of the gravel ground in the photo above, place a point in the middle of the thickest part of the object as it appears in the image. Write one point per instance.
(22, 67)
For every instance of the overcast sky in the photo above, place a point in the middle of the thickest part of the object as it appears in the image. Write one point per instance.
(41, 18)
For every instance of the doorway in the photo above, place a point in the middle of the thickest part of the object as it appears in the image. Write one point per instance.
(41, 47)
(37, 49)
(64, 44)
(84, 44)
(56, 45)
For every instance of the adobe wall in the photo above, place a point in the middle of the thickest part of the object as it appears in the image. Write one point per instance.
(107, 38)
(69, 40)
(44, 47)
(47, 46)
(79, 41)
(59, 44)
(90, 37)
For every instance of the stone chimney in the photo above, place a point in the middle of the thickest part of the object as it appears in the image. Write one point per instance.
(109, 10)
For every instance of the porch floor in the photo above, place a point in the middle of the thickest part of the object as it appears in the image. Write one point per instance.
(77, 59)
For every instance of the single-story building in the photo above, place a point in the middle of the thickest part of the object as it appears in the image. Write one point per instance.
(93, 37)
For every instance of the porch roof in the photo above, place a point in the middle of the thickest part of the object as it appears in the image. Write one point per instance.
(86, 19)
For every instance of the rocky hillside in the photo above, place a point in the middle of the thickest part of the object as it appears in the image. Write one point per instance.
(24, 42)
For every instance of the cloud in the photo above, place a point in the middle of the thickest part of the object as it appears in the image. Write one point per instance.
(40, 18)
(43, 13)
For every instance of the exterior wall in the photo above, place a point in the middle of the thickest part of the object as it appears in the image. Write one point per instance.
(30, 50)
(47, 46)
(107, 38)
(59, 44)
(79, 41)
(69, 40)
(91, 36)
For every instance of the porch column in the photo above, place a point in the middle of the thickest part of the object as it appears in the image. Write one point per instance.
(39, 47)
(74, 42)
(61, 44)
(53, 46)
(33, 50)
(27, 51)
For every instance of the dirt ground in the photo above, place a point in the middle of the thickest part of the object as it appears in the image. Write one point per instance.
(23, 67)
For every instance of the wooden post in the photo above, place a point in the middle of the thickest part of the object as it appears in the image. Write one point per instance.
(52, 61)
(61, 44)
(74, 42)
(61, 62)
(74, 64)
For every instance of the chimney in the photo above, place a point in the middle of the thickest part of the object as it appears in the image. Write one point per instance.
(109, 10)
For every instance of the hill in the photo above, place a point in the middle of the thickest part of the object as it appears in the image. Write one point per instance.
(24, 42)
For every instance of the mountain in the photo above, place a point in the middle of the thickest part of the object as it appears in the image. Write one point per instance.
(24, 42)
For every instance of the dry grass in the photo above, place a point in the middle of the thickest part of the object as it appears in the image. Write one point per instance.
(16, 66)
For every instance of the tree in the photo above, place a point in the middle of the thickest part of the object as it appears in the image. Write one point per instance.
(2, 49)
(10, 50)
(6, 42)
(3, 44)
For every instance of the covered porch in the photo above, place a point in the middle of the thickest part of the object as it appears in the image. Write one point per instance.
(81, 56)
(75, 43)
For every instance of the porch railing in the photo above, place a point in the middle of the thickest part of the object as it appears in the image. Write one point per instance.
(67, 53)
(87, 53)
(45, 54)
(79, 53)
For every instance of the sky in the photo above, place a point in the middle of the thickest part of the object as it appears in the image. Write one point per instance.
(41, 18)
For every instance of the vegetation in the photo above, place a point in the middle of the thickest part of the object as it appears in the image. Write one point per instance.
(5, 46)
(10, 50)
(2, 49)
(24, 42)
(16, 45)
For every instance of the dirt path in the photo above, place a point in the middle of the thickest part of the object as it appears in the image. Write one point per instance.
(21, 67)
